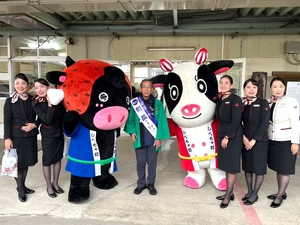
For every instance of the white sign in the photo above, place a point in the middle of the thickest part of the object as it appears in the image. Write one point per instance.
(293, 90)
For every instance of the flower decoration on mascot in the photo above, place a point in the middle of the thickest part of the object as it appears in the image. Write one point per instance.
(96, 95)
(189, 92)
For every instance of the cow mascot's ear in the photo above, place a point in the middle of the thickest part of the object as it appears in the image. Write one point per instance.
(96, 95)
(207, 72)
(115, 76)
(158, 83)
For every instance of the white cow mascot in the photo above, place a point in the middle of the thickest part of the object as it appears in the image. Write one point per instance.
(190, 92)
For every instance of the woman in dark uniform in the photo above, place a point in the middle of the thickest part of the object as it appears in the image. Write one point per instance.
(52, 135)
(230, 135)
(255, 120)
(283, 135)
(20, 131)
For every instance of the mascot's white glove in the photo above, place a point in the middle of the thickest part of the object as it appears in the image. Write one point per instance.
(55, 95)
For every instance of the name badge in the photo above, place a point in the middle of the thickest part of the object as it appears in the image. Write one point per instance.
(227, 103)
(256, 105)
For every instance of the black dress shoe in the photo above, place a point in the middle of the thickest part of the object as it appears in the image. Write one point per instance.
(139, 190)
(152, 189)
(276, 205)
(272, 197)
(27, 190)
(222, 197)
(245, 198)
(59, 190)
(52, 195)
(248, 202)
(223, 205)
(22, 199)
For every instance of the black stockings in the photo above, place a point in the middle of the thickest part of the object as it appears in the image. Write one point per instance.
(20, 180)
(249, 178)
(283, 182)
(231, 177)
(47, 176)
(252, 193)
(56, 172)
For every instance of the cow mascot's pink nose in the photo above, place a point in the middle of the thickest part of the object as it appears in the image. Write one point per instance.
(190, 110)
(111, 118)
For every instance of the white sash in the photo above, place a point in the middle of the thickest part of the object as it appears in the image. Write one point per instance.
(188, 143)
(189, 148)
(96, 152)
(144, 115)
(113, 163)
(212, 143)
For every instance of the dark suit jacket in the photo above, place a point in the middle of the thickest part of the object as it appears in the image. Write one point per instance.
(256, 120)
(229, 114)
(51, 118)
(17, 115)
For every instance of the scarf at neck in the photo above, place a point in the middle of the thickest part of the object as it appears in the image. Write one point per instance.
(274, 99)
(248, 100)
(221, 94)
(15, 97)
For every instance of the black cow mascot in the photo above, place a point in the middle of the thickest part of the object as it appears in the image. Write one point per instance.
(96, 95)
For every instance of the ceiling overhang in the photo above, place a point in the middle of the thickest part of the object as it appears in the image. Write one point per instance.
(129, 17)
(22, 6)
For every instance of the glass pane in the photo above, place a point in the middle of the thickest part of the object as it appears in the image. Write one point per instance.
(46, 45)
(156, 71)
(53, 46)
(3, 47)
(4, 80)
(140, 73)
(236, 73)
(51, 66)
(20, 46)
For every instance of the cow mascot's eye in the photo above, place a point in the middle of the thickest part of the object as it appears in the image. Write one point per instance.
(127, 100)
(174, 92)
(201, 86)
(103, 97)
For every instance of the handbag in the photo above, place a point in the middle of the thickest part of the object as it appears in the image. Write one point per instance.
(10, 163)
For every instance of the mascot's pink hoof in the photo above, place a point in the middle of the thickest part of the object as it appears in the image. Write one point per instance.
(191, 183)
(222, 185)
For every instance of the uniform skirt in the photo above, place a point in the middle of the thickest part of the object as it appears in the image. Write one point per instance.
(27, 151)
(230, 157)
(280, 158)
(255, 160)
(53, 148)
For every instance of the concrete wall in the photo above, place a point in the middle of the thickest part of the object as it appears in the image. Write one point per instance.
(263, 52)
